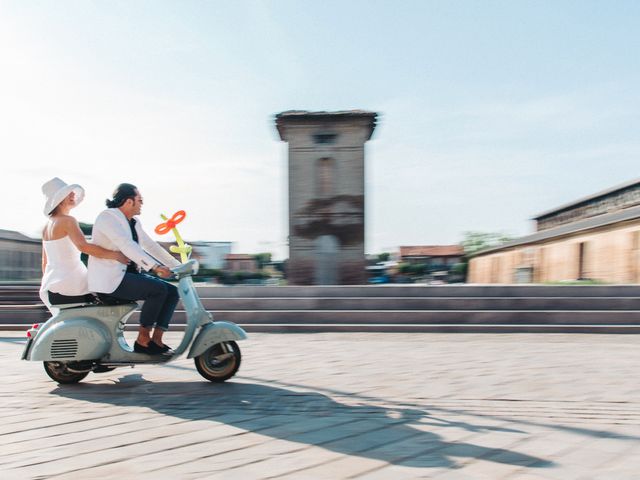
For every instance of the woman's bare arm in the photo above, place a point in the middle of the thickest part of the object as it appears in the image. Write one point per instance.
(44, 253)
(44, 259)
(77, 237)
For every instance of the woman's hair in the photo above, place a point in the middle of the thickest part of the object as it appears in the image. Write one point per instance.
(121, 194)
(57, 207)
(55, 210)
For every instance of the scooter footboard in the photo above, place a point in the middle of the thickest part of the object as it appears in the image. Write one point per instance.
(213, 333)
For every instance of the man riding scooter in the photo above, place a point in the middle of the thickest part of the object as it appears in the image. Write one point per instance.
(117, 228)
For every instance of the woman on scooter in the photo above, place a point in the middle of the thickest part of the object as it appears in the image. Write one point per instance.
(64, 278)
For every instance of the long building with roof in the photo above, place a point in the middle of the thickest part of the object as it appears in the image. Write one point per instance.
(596, 237)
(20, 257)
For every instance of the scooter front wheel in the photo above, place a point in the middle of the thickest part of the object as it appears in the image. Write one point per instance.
(220, 362)
(59, 372)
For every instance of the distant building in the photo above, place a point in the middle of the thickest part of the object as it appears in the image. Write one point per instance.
(211, 254)
(240, 262)
(433, 256)
(596, 237)
(20, 256)
(326, 194)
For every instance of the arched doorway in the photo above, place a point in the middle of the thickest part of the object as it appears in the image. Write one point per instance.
(326, 256)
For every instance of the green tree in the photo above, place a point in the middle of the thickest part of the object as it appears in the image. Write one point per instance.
(262, 259)
(384, 257)
(459, 269)
(475, 242)
(404, 268)
(86, 228)
(418, 269)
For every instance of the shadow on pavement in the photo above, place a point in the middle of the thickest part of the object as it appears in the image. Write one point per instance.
(396, 436)
(590, 432)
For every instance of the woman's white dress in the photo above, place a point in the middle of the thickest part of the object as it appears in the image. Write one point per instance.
(65, 273)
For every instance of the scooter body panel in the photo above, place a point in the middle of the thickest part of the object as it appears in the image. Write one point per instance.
(213, 333)
(196, 314)
(73, 339)
(92, 328)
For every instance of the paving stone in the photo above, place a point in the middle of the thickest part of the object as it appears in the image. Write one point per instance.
(344, 467)
(397, 472)
(295, 465)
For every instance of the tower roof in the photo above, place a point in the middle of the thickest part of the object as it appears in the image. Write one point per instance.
(306, 116)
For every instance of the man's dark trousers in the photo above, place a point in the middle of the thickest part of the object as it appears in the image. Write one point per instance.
(160, 298)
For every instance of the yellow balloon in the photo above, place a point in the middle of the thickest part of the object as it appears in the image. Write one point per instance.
(182, 248)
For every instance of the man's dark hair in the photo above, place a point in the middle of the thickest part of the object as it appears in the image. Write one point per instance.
(121, 194)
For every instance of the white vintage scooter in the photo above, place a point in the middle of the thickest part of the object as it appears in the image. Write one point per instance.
(84, 338)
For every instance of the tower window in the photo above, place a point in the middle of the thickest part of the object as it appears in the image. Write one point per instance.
(325, 176)
(325, 138)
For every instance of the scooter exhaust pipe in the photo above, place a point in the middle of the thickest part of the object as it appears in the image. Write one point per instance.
(80, 368)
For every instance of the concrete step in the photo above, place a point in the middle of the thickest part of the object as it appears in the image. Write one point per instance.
(404, 328)
(396, 303)
(27, 316)
(508, 317)
(376, 291)
(437, 328)
(462, 290)
(429, 303)
(464, 302)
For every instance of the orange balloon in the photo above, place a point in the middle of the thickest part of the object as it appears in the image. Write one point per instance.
(170, 224)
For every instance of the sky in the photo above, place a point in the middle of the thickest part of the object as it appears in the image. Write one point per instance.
(490, 112)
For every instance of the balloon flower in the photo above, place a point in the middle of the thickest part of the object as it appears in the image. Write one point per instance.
(169, 225)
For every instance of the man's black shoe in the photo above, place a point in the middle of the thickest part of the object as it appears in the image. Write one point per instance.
(142, 349)
(156, 349)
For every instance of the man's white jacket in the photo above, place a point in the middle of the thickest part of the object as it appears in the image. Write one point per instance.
(112, 231)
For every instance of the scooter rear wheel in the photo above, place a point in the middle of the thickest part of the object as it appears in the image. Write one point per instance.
(58, 372)
(220, 362)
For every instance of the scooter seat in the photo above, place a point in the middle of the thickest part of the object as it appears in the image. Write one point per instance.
(106, 299)
(64, 306)
(69, 301)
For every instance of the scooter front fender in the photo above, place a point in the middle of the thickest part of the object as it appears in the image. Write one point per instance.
(72, 339)
(215, 332)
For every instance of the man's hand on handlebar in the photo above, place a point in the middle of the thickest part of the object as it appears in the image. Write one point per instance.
(162, 271)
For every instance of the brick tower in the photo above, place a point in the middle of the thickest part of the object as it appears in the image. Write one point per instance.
(326, 194)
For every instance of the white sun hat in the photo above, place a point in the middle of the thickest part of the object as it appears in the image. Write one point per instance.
(55, 191)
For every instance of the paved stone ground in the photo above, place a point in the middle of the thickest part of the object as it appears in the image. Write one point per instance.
(333, 406)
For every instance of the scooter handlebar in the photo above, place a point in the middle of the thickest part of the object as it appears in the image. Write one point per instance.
(188, 268)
